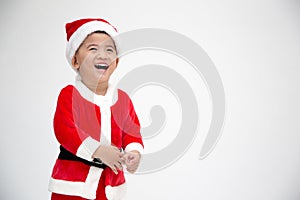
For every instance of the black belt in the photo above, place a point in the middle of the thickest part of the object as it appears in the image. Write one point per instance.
(66, 155)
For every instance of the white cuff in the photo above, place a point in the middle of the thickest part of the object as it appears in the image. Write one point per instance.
(87, 148)
(134, 146)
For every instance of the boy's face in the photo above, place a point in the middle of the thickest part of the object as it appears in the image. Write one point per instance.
(96, 59)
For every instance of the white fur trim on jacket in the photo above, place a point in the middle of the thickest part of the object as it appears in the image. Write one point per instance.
(104, 102)
(87, 148)
(134, 146)
(85, 189)
(116, 192)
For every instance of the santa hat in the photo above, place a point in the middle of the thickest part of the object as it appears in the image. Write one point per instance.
(78, 30)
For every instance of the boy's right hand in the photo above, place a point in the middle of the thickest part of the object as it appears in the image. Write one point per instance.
(111, 156)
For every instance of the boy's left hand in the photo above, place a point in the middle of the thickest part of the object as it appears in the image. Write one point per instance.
(132, 160)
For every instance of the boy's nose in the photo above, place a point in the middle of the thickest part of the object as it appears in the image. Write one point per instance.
(102, 54)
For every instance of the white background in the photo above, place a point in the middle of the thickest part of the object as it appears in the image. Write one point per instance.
(255, 46)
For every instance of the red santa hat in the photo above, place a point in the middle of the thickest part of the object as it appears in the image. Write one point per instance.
(78, 30)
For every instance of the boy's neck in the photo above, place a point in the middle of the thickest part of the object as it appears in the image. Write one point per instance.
(101, 89)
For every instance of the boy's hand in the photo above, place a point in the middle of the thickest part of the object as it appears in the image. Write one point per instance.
(132, 160)
(111, 156)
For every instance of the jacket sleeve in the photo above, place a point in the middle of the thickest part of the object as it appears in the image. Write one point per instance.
(132, 138)
(67, 132)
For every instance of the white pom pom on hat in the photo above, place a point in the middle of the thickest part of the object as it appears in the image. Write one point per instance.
(79, 29)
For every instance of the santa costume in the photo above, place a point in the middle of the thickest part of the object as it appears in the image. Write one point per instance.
(84, 120)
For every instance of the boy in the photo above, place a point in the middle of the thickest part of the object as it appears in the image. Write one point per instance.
(91, 126)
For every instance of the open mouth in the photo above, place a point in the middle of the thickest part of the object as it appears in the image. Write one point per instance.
(101, 66)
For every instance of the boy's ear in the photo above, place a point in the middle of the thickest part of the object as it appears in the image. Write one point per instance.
(117, 61)
(75, 63)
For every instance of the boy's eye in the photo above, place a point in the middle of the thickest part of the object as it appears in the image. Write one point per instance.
(93, 49)
(110, 49)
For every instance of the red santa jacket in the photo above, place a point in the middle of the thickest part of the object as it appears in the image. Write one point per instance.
(82, 122)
